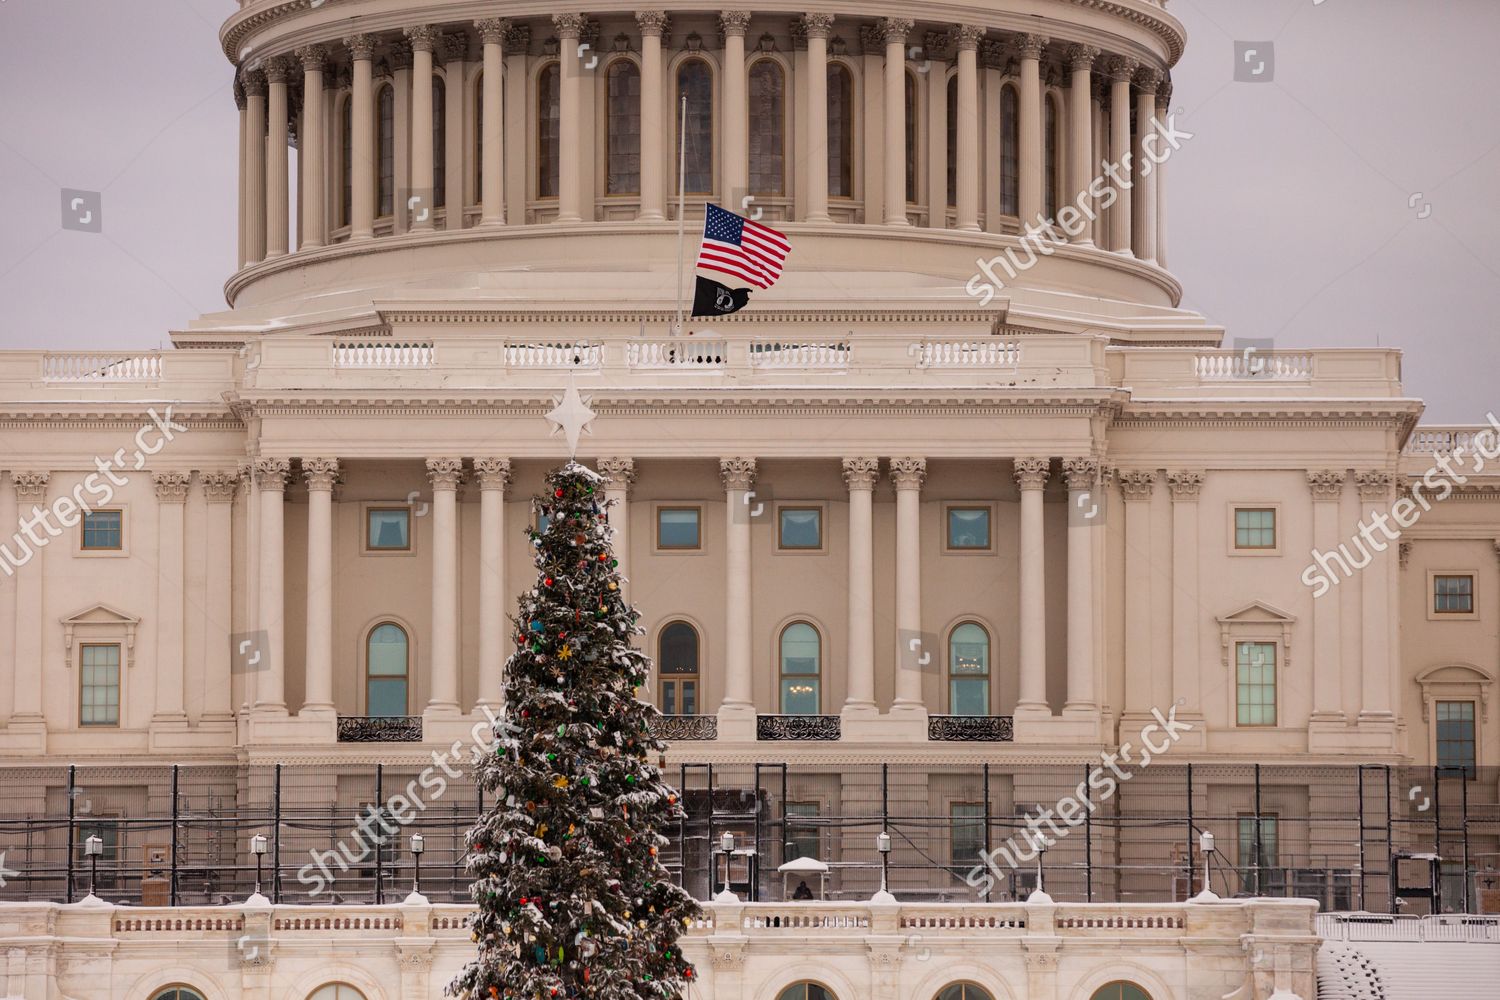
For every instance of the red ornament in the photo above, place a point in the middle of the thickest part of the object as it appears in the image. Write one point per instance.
(558, 492)
(687, 973)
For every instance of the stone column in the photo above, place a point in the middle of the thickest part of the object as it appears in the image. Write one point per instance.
(321, 475)
(311, 157)
(249, 694)
(968, 36)
(1376, 656)
(860, 475)
(26, 703)
(908, 474)
(1327, 488)
(243, 104)
(1187, 660)
(362, 138)
(895, 31)
(1031, 478)
(734, 23)
(938, 52)
(1163, 102)
(1138, 488)
(278, 71)
(494, 477)
(569, 191)
(423, 39)
(1147, 80)
(457, 110)
(620, 473)
(653, 140)
(1082, 475)
(815, 108)
(400, 63)
(738, 475)
(255, 166)
(1081, 133)
(492, 32)
(444, 474)
(1119, 71)
(1029, 144)
(171, 654)
(270, 481)
(219, 489)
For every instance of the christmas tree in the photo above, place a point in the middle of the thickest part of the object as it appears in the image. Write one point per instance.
(573, 899)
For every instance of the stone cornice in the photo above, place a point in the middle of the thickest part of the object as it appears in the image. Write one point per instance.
(632, 317)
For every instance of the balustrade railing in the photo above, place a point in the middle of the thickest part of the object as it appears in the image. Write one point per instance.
(1253, 364)
(679, 353)
(562, 354)
(967, 354)
(82, 366)
(382, 354)
(766, 353)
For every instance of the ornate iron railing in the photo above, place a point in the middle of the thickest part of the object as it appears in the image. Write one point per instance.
(971, 728)
(685, 727)
(797, 727)
(380, 729)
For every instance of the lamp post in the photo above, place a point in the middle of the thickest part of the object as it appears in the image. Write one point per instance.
(883, 845)
(93, 847)
(726, 848)
(258, 848)
(1206, 847)
(417, 847)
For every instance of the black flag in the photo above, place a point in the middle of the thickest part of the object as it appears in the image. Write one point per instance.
(714, 299)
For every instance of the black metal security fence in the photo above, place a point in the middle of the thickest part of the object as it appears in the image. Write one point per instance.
(1371, 837)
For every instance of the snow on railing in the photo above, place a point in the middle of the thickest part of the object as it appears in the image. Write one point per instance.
(677, 353)
(1447, 440)
(382, 354)
(766, 353)
(1252, 364)
(562, 354)
(1405, 927)
(966, 353)
(83, 366)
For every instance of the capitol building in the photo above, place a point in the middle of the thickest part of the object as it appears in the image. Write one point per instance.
(964, 522)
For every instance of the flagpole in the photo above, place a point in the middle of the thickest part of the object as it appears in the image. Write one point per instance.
(681, 208)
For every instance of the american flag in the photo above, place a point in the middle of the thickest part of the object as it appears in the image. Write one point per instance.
(736, 246)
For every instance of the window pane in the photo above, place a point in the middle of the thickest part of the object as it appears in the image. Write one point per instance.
(967, 832)
(1049, 170)
(346, 127)
(695, 82)
(1256, 668)
(624, 125)
(549, 134)
(969, 696)
(677, 528)
(802, 840)
(1254, 529)
(387, 696)
(911, 138)
(801, 528)
(99, 697)
(968, 670)
(390, 529)
(103, 529)
(1255, 856)
(689, 697)
(385, 145)
(1010, 170)
(840, 132)
(799, 696)
(767, 128)
(1453, 594)
(678, 649)
(952, 140)
(479, 138)
(439, 144)
(1455, 735)
(387, 651)
(968, 527)
(799, 649)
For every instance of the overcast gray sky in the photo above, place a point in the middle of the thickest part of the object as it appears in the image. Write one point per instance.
(1350, 199)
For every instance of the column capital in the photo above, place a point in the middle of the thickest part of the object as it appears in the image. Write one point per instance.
(1080, 57)
(280, 69)
(1326, 484)
(895, 29)
(314, 58)
(455, 48)
(817, 25)
(1164, 94)
(1374, 485)
(1185, 484)
(1031, 473)
(1148, 79)
(270, 473)
(400, 55)
(908, 473)
(360, 46)
(445, 473)
(1080, 473)
(568, 25)
(1029, 46)
(30, 485)
(423, 37)
(492, 473)
(220, 486)
(938, 46)
(737, 473)
(734, 22)
(968, 36)
(861, 473)
(1137, 484)
(653, 23)
(518, 38)
(492, 29)
(253, 82)
(1119, 69)
(171, 487)
(618, 470)
(321, 473)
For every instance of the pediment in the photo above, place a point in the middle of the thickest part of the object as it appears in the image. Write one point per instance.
(100, 614)
(1454, 673)
(1257, 612)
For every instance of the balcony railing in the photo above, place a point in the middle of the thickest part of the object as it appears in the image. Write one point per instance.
(563, 354)
(676, 728)
(971, 728)
(678, 354)
(82, 366)
(967, 354)
(380, 729)
(377, 354)
(801, 354)
(797, 727)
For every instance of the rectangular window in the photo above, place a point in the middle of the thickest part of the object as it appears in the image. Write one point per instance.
(99, 704)
(1257, 855)
(1455, 735)
(679, 696)
(1254, 528)
(388, 529)
(968, 528)
(803, 839)
(1255, 664)
(1453, 595)
(799, 528)
(678, 527)
(103, 531)
(967, 825)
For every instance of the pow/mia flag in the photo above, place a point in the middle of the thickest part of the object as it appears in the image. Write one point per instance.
(714, 299)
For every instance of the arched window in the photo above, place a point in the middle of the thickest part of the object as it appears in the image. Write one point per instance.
(695, 82)
(964, 991)
(840, 131)
(623, 129)
(439, 143)
(1120, 991)
(1051, 143)
(767, 128)
(806, 991)
(177, 993)
(969, 670)
(801, 669)
(548, 129)
(952, 140)
(336, 991)
(346, 161)
(386, 670)
(385, 151)
(1010, 169)
(677, 658)
(911, 137)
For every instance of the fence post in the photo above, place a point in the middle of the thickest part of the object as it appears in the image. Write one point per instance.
(72, 825)
(276, 841)
(989, 882)
(1390, 847)
(1190, 830)
(379, 841)
(1088, 837)
(172, 886)
(1359, 784)
(1258, 848)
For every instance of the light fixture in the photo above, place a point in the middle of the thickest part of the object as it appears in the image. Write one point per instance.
(726, 848)
(258, 848)
(418, 845)
(1206, 846)
(883, 845)
(93, 847)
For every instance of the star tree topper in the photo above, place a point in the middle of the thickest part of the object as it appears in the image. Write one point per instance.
(572, 416)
